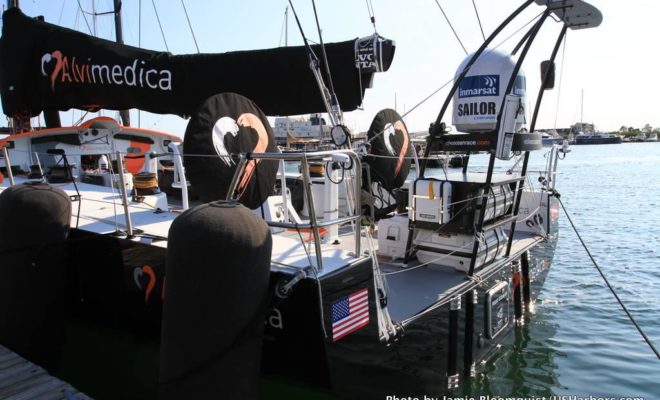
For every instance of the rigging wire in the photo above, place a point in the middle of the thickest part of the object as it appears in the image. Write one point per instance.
(451, 26)
(283, 25)
(561, 76)
(140, 23)
(451, 80)
(59, 19)
(302, 33)
(85, 18)
(479, 19)
(600, 271)
(159, 25)
(325, 56)
(372, 16)
(190, 26)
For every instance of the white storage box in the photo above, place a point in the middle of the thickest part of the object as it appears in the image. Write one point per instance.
(430, 200)
(392, 237)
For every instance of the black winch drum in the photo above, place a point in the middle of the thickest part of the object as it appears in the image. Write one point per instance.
(34, 223)
(224, 126)
(218, 270)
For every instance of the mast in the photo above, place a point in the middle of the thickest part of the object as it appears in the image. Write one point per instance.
(582, 112)
(125, 115)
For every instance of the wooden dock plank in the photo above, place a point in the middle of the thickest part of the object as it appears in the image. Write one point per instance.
(23, 380)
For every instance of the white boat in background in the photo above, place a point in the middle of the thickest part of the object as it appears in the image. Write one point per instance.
(638, 138)
(550, 138)
(653, 137)
(305, 132)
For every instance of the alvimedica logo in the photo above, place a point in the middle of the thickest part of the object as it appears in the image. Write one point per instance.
(137, 74)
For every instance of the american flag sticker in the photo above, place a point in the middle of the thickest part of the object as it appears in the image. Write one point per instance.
(350, 313)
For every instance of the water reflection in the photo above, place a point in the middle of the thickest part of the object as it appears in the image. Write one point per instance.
(524, 366)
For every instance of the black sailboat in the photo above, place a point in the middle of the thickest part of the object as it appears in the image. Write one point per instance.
(451, 274)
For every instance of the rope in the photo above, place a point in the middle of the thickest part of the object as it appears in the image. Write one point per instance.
(600, 271)
(452, 27)
(190, 25)
(159, 25)
(479, 19)
(145, 181)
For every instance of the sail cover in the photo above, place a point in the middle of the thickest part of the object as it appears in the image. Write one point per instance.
(47, 67)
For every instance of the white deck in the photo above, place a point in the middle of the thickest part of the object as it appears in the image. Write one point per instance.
(101, 212)
(99, 206)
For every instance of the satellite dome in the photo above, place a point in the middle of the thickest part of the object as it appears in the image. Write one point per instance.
(480, 93)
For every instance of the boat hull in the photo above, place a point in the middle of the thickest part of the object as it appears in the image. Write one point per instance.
(598, 140)
(123, 291)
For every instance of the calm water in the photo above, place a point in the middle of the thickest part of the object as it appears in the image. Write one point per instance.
(579, 342)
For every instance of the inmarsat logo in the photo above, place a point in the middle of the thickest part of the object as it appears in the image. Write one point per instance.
(479, 85)
(489, 81)
(138, 74)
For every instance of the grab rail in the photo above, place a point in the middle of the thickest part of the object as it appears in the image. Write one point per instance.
(314, 224)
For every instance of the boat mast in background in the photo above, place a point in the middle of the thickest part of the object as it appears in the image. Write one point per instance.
(582, 111)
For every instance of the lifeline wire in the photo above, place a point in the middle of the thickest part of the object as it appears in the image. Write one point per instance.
(632, 319)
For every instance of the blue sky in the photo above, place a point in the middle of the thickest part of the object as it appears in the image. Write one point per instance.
(615, 64)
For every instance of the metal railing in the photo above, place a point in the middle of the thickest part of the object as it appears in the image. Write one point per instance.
(10, 174)
(313, 224)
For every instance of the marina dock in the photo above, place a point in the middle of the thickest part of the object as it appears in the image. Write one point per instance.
(23, 380)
